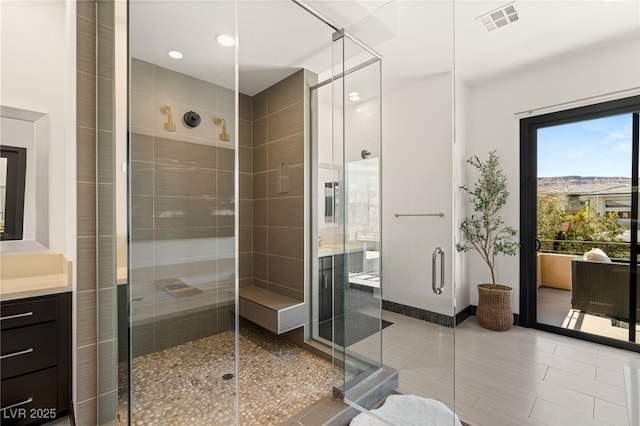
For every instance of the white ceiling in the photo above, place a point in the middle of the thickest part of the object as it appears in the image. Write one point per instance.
(415, 37)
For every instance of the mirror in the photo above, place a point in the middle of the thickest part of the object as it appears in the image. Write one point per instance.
(13, 166)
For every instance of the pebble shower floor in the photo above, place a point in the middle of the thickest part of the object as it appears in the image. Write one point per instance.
(183, 385)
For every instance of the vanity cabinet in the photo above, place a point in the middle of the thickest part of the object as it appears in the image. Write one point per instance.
(35, 363)
(331, 282)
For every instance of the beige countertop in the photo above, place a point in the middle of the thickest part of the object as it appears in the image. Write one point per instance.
(333, 249)
(30, 275)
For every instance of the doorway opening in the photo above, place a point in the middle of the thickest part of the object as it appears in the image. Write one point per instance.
(579, 227)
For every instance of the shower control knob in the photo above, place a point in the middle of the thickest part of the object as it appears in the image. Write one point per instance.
(192, 119)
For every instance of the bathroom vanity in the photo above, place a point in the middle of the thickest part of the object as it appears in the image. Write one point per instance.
(35, 362)
(35, 338)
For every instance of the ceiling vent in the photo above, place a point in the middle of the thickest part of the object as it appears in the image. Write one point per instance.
(499, 17)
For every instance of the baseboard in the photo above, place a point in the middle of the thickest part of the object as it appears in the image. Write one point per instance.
(423, 314)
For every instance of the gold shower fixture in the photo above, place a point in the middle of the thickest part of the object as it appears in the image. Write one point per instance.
(224, 136)
(169, 126)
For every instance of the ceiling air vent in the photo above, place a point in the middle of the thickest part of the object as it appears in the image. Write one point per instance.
(499, 17)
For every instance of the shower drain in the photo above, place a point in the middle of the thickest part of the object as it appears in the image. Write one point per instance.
(227, 376)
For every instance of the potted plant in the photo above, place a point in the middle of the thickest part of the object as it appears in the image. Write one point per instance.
(486, 232)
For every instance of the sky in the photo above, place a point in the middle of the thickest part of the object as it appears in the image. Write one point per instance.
(600, 147)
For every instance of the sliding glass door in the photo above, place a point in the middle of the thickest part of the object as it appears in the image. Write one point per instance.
(581, 222)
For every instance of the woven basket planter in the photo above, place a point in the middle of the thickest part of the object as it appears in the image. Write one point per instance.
(494, 307)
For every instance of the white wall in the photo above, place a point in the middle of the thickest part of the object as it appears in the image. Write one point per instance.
(491, 123)
(38, 74)
(417, 170)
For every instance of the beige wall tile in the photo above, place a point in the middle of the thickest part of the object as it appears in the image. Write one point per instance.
(87, 372)
(286, 122)
(287, 242)
(245, 240)
(167, 151)
(259, 134)
(188, 182)
(260, 266)
(286, 272)
(86, 260)
(226, 184)
(246, 133)
(246, 212)
(260, 239)
(106, 209)
(86, 152)
(86, 210)
(260, 105)
(86, 105)
(105, 48)
(246, 265)
(106, 157)
(260, 159)
(141, 147)
(105, 104)
(86, 314)
(260, 185)
(246, 186)
(246, 160)
(260, 212)
(286, 212)
(108, 361)
(227, 159)
(289, 150)
(286, 92)
(86, 40)
(86, 413)
(107, 262)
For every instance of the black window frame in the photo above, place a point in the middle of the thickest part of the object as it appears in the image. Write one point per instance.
(528, 214)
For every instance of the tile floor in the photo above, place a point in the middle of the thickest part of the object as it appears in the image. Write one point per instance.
(518, 377)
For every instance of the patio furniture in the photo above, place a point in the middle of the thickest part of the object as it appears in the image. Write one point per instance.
(600, 288)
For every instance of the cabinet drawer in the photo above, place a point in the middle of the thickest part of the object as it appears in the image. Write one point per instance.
(18, 314)
(28, 349)
(31, 398)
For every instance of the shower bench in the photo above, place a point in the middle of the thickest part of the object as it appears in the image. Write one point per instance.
(275, 312)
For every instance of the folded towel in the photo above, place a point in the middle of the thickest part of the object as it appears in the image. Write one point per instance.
(408, 410)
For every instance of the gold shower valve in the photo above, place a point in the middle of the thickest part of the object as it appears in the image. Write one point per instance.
(224, 136)
(169, 126)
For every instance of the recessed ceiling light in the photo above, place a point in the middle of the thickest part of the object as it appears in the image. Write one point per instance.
(359, 109)
(175, 54)
(225, 40)
(354, 96)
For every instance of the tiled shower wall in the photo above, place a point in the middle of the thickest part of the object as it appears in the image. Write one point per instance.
(95, 233)
(278, 216)
(182, 209)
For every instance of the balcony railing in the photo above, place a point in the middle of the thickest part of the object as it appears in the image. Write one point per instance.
(616, 250)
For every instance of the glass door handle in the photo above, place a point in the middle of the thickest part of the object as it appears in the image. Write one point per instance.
(436, 252)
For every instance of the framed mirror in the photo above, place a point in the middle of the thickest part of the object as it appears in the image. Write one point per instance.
(13, 168)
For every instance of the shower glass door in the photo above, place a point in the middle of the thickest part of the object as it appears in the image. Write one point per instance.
(357, 298)
(183, 215)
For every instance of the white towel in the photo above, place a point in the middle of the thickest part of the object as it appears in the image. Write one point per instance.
(408, 410)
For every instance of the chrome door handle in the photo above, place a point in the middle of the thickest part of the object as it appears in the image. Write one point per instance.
(436, 252)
